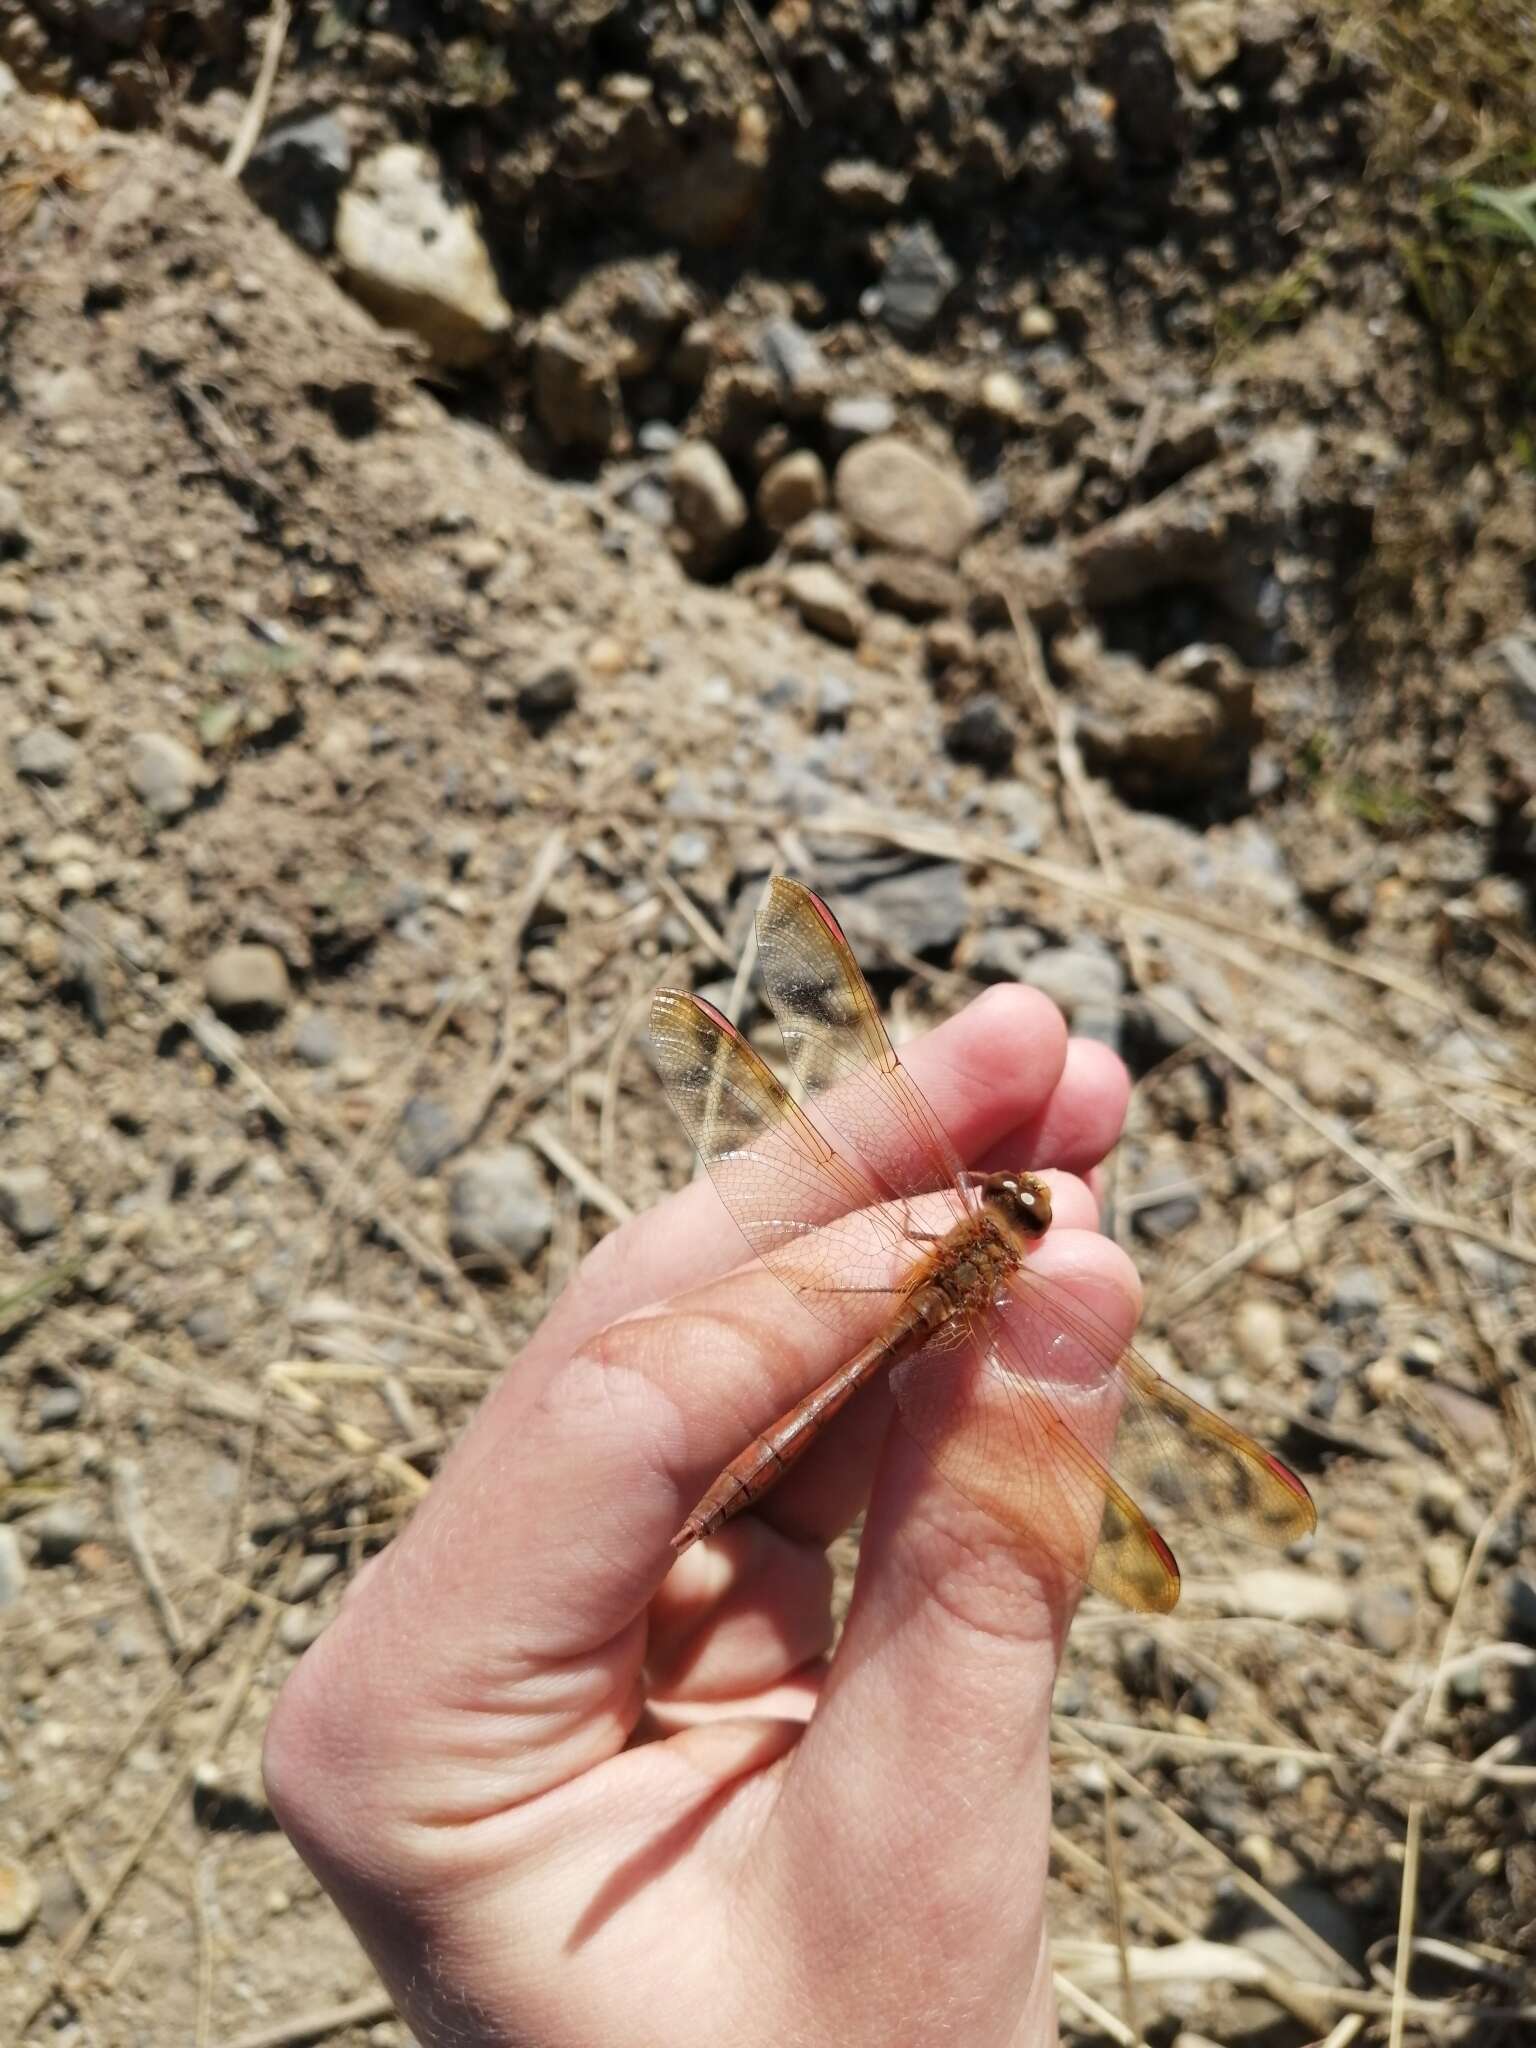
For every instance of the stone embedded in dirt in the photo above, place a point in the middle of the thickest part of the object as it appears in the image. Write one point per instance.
(19, 1898)
(895, 496)
(1356, 1294)
(918, 278)
(794, 357)
(1445, 1561)
(58, 1407)
(247, 985)
(296, 173)
(1258, 2015)
(547, 695)
(1383, 1617)
(1162, 1219)
(313, 1571)
(13, 1568)
(1003, 952)
(44, 755)
(1260, 1336)
(59, 1532)
(923, 911)
(984, 732)
(825, 601)
(791, 489)
(163, 773)
(428, 1133)
(1088, 123)
(416, 258)
(499, 1206)
(859, 417)
(318, 1041)
(711, 512)
(866, 187)
(15, 534)
(576, 397)
(1205, 36)
(28, 1206)
(1077, 976)
(1520, 1605)
(208, 1326)
(914, 585)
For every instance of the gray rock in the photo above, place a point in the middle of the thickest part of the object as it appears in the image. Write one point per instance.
(318, 1042)
(299, 1627)
(427, 1135)
(1159, 1221)
(45, 755)
(711, 512)
(835, 698)
(313, 1571)
(859, 417)
(163, 773)
(1254, 2013)
(208, 1326)
(1356, 1293)
(247, 986)
(896, 496)
(58, 1407)
(295, 174)
(825, 602)
(28, 1206)
(791, 489)
(1077, 976)
(20, 1898)
(13, 1568)
(1004, 952)
(59, 1532)
(499, 1206)
(984, 732)
(917, 280)
(1325, 1362)
(417, 258)
(793, 356)
(1383, 1617)
(923, 911)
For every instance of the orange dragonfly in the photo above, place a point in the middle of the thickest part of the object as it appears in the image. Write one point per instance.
(1026, 1403)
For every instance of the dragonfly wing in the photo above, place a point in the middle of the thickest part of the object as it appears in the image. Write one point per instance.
(1174, 1455)
(1069, 1439)
(1005, 1446)
(791, 1196)
(839, 1049)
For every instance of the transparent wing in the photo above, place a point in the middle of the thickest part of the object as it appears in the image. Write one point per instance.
(791, 1196)
(1068, 1439)
(839, 1049)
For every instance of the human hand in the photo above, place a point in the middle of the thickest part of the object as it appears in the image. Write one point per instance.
(804, 1852)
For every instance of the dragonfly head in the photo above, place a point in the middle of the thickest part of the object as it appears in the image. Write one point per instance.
(1018, 1202)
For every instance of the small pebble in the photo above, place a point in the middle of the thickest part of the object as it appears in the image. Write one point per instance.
(1259, 1334)
(1357, 1292)
(28, 1207)
(58, 1407)
(499, 1205)
(19, 1898)
(318, 1041)
(208, 1326)
(164, 774)
(59, 1532)
(1384, 1617)
(1445, 1561)
(45, 755)
(13, 1568)
(247, 985)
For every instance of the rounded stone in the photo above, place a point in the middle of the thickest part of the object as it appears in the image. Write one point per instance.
(895, 496)
(247, 985)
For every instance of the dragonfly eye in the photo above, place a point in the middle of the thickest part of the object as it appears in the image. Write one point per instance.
(1023, 1202)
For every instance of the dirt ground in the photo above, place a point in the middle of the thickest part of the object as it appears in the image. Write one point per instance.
(988, 461)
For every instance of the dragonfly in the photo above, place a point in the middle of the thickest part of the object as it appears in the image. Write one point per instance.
(856, 1198)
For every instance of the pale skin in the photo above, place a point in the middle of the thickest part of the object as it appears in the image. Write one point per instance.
(571, 1793)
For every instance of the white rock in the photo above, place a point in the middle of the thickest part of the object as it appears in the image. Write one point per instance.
(417, 259)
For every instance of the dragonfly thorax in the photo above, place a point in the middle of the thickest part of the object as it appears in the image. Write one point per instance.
(1018, 1204)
